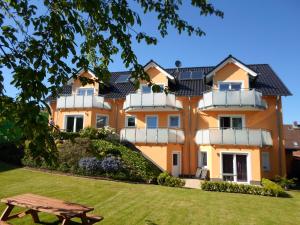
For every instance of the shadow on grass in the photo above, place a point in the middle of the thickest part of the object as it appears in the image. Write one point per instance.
(58, 222)
(150, 222)
(5, 166)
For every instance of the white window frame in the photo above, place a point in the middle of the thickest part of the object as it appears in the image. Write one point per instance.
(104, 115)
(169, 121)
(200, 159)
(126, 120)
(151, 91)
(75, 119)
(232, 116)
(230, 82)
(85, 91)
(265, 168)
(157, 121)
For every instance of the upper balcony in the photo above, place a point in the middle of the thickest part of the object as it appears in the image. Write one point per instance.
(151, 102)
(244, 99)
(152, 135)
(244, 136)
(82, 101)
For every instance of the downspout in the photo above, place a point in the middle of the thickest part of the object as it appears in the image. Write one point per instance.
(116, 115)
(189, 140)
(279, 123)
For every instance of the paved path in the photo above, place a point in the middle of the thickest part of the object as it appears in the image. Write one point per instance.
(192, 183)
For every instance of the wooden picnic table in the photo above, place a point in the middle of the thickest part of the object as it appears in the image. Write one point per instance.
(34, 204)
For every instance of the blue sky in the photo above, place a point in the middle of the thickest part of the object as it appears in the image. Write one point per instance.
(254, 31)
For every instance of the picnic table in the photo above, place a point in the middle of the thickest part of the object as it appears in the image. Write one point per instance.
(34, 204)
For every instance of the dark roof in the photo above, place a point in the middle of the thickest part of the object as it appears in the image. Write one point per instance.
(291, 135)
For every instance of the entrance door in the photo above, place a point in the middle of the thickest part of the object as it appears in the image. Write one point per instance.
(74, 123)
(234, 167)
(176, 164)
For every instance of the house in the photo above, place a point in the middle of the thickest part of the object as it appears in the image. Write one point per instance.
(292, 149)
(225, 118)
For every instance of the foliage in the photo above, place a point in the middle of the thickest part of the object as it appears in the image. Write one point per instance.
(166, 179)
(111, 164)
(285, 182)
(99, 133)
(39, 38)
(104, 148)
(11, 153)
(91, 165)
(269, 188)
(62, 135)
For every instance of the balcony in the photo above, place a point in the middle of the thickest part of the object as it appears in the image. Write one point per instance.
(151, 102)
(244, 99)
(79, 101)
(153, 136)
(245, 136)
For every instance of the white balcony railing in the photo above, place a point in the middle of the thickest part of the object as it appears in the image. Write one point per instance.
(244, 98)
(150, 101)
(245, 136)
(79, 101)
(156, 135)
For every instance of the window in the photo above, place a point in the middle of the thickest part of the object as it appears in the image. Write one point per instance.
(202, 159)
(175, 159)
(147, 90)
(188, 75)
(74, 123)
(130, 121)
(123, 78)
(85, 91)
(266, 161)
(230, 86)
(151, 121)
(231, 122)
(174, 121)
(101, 121)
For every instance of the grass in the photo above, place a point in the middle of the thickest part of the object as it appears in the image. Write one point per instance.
(125, 203)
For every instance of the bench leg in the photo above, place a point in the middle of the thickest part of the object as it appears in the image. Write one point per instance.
(65, 221)
(35, 216)
(6, 212)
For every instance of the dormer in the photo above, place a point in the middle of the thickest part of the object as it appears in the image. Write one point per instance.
(231, 74)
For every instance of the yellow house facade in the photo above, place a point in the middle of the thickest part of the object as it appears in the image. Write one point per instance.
(225, 119)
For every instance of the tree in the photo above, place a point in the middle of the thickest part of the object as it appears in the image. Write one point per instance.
(37, 42)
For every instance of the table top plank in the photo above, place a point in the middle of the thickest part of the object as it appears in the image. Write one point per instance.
(48, 205)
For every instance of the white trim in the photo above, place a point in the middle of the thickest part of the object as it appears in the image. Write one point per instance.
(179, 121)
(104, 115)
(232, 81)
(157, 121)
(74, 115)
(70, 81)
(232, 60)
(153, 64)
(200, 162)
(126, 121)
(232, 116)
(179, 161)
(249, 167)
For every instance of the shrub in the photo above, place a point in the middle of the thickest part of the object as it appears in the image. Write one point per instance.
(90, 165)
(89, 132)
(11, 153)
(269, 188)
(167, 180)
(61, 135)
(103, 148)
(285, 182)
(111, 164)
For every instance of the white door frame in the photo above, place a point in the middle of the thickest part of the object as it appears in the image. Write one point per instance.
(179, 162)
(75, 120)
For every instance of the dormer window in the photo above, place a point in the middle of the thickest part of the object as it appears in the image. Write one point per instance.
(230, 86)
(85, 91)
(145, 89)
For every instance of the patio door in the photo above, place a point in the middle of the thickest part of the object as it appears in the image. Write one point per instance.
(74, 123)
(176, 164)
(235, 167)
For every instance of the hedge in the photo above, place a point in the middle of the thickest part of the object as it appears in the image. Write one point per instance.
(268, 188)
(166, 179)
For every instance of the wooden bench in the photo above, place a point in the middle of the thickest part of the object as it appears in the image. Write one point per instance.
(64, 211)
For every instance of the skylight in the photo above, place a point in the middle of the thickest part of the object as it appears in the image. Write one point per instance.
(190, 75)
(123, 78)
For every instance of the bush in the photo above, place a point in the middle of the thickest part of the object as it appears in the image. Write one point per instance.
(167, 180)
(61, 135)
(285, 182)
(11, 153)
(111, 164)
(269, 188)
(90, 165)
(89, 132)
(103, 148)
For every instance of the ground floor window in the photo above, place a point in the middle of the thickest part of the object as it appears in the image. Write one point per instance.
(202, 159)
(234, 167)
(101, 121)
(130, 121)
(266, 161)
(74, 123)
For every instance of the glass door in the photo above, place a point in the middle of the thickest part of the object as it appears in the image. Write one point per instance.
(234, 167)
(74, 123)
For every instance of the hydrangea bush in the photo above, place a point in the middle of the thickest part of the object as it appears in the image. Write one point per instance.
(111, 164)
(90, 165)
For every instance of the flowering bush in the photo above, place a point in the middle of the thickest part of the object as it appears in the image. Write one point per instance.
(91, 165)
(111, 164)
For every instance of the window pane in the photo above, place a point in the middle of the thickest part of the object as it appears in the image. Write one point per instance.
(101, 121)
(185, 75)
(146, 89)
(266, 161)
(152, 122)
(70, 124)
(161, 88)
(236, 86)
(225, 122)
(237, 123)
(81, 92)
(204, 158)
(174, 121)
(131, 121)
(175, 159)
(197, 75)
(227, 163)
(89, 91)
(79, 123)
(123, 78)
(224, 87)
(241, 168)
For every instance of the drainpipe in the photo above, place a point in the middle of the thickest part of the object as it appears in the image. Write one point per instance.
(116, 115)
(279, 123)
(189, 139)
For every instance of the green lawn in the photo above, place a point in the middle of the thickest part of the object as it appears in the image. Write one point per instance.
(124, 203)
